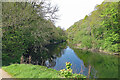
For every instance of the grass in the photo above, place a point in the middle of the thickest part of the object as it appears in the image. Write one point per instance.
(35, 71)
(31, 71)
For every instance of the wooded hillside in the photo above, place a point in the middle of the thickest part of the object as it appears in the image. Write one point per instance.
(100, 30)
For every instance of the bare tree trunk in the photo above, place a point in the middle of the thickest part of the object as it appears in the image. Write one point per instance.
(29, 59)
(37, 62)
(21, 60)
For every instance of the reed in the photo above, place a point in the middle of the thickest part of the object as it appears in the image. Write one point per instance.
(89, 71)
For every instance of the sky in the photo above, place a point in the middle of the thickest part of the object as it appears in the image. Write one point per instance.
(71, 11)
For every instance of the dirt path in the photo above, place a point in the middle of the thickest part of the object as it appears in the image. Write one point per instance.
(4, 74)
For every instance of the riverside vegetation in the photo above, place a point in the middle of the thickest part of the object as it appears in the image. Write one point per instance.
(98, 31)
(27, 34)
(68, 72)
(29, 31)
(36, 71)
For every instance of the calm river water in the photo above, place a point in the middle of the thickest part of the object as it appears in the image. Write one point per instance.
(100, 65)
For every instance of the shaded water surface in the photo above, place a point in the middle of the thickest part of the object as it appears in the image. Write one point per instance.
(100, 65)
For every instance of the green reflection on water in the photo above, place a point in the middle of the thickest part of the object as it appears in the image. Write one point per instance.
(105, 65)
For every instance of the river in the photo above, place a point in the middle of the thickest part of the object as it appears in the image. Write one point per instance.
(100, 65)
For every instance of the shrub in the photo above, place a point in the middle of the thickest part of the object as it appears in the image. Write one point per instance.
(68, 72)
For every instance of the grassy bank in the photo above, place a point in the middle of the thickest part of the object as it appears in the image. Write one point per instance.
(31, 71)
(34, 71)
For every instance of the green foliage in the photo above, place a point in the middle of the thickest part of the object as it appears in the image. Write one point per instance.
(62, 34)
(68, 72)
(110, 42)
(99, 30)
(26, 31)
(86, 42)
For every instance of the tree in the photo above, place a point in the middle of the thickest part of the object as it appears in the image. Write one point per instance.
(99, 30)
(25, 31)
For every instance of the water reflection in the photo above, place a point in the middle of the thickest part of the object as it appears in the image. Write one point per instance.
(95, 64)
(103, 66)
(84, 62)
(68, 55)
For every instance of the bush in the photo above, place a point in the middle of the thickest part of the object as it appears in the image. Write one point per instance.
(68, 72)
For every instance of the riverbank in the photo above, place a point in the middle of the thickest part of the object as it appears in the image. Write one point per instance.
(95, 50)
(33, 71)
